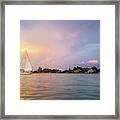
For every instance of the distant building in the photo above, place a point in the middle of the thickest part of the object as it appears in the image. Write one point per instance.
(90, 71)
(77, 71)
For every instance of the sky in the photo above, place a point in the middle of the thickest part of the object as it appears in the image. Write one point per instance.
(61, 44)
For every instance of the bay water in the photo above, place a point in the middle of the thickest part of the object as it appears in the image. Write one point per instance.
(60, 86)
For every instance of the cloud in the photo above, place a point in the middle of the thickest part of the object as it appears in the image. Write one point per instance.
(82, 62)
(54, 44)
(93, 61)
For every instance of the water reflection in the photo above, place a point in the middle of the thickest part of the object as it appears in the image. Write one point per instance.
(47, 86)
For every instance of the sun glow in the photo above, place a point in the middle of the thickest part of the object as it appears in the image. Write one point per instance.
(32, 50)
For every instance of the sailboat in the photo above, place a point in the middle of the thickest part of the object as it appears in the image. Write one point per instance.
(25, 65)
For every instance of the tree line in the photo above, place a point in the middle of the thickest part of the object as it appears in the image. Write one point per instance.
(83, 70)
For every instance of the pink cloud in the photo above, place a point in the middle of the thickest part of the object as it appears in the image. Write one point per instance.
(93, 61)
(82, 62)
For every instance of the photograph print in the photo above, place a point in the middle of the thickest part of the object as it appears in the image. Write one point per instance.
(59, 60)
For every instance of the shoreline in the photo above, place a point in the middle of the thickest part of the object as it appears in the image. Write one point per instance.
(67, 73)
(74, 70)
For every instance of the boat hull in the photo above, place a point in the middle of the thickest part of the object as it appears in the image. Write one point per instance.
(25, 73)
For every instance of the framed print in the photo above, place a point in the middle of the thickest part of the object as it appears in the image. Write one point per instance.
(59, 59)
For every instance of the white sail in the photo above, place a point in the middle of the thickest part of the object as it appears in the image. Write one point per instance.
(26, 66)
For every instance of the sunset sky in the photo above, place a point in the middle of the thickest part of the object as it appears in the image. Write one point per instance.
(61, 44)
